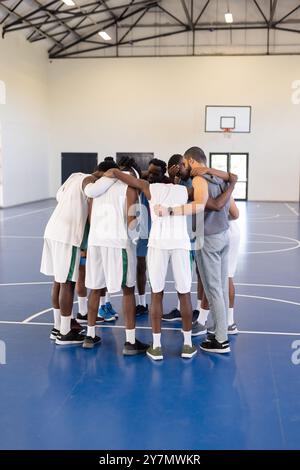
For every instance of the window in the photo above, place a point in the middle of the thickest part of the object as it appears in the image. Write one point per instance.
(235, 163)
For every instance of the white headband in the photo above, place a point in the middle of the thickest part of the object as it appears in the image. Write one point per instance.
(136, 173)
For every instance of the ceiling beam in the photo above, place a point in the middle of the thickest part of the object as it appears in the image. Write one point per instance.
(39, 31)
(201, 12)
(21, 18)
(261, 12)
(59, 21)
(187, 14)
(129, 42)
(122, 16)
(287, 15)
(273, 5)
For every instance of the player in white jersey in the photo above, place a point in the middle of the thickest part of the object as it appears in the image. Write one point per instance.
(168, 241)
(111, 260)
(234, 244)
(61, 252)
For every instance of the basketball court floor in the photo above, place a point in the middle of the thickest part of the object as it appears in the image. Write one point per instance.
(71, 398)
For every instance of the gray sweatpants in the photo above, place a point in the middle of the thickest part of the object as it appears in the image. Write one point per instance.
(212, 263)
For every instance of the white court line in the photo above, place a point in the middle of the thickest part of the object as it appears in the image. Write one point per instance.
(268, 298)
(20, 236)
(273, 251)
(294, 211)
(35, 315)
(279, 333)
(25, 283)
(280, 243)
(26, 213)
(264, 217)
(9, 284)
(263, 285)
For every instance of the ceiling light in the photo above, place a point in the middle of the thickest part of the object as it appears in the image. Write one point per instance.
(70, 3)
(228, 17)
(104, 36)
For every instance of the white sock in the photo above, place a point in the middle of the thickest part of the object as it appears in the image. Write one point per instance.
(178, 305)
(65, 325)
(56, 314)
(198, 305)
(82, 305)
(202, 318)
(130, 336)
(230, 316)
(156, 340)
(107, 297)
(142, 300)
(91, 331)
(187, 337)
(102, 301)
(72, 314)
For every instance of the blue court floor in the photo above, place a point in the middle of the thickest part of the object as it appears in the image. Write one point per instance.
(70, 398)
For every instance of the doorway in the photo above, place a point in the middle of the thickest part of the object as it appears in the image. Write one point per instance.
(236, 163)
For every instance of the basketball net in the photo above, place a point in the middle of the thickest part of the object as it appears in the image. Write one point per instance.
(227, 132)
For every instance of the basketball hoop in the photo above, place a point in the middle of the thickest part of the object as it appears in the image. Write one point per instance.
(227, 132)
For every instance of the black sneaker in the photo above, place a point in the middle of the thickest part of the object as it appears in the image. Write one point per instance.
(54, 333)
(136, 348)
(75, 326)
(90, 342)
(140, 310)
(70, 338)
(195, 315)
(210, 336)
(214, 346)
(81, 317)
(174, 315)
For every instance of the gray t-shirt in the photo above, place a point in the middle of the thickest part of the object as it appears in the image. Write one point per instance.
(216, 221)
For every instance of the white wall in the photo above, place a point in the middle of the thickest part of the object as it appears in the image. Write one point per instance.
(23, 119)
(150, 104)
(157, 104)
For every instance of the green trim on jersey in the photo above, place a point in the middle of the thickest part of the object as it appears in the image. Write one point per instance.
(84, 242)
(125, 266)
(191, 259)
(73, 262)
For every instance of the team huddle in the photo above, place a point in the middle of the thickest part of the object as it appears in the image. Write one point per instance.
(109, 229)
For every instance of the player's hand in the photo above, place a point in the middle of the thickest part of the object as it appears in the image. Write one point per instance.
(173, 171)
(232, 178)
(110, 173)
(160, 211)
(200, 171)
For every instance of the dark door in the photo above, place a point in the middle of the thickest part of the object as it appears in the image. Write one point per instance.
(141, 158)
(77, 163)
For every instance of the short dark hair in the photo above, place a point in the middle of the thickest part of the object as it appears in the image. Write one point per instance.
(108, 159)
(161, 163)
(197, 154)
(174, 160)
(106, 165)
(126, 163)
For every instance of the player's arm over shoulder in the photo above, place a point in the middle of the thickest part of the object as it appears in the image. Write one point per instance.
(200, 188)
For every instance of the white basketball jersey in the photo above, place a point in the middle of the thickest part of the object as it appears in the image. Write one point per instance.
(68, 220)
(169, 232)
(109, 218)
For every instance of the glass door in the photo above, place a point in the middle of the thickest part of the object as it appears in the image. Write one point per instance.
(235, 163)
